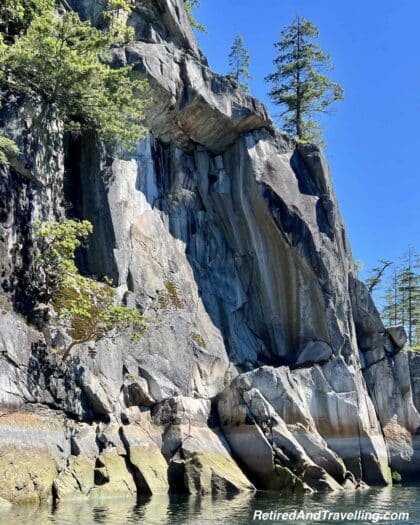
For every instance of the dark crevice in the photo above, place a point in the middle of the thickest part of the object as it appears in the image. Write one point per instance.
(85, 193)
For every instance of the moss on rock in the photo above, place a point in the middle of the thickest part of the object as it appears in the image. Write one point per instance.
(213, 474)
(112, 477)
(26, 474)
(152, 469)
(77, 480)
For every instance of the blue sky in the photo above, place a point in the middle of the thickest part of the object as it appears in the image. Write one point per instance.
(374, 135)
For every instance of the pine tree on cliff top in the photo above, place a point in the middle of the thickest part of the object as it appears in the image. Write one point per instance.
(299, 83)
(239, 63)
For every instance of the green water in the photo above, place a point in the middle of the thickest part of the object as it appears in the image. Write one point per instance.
(237, 510)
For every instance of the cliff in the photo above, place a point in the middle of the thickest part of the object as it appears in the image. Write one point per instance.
(265, 363)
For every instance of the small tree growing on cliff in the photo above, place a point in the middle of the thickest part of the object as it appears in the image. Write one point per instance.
(376, 275)
(239, 63)
(83, 306)
(16, 16)
(115, 16)
(299, 83)
(190, 5)
(63, 65)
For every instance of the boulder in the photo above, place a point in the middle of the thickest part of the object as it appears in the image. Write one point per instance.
(258, 407)
(318, 479)
(314, 352)
(200, 460)
(206, 473)
(112, 477)
(76, 480)
(95, 393)
(83, 441)
(146, 460)
(319, 452)
(262, 441)
(398, 335)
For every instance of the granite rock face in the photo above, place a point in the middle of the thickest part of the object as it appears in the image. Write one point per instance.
(264, 364)
(392, 380)
(337, 427)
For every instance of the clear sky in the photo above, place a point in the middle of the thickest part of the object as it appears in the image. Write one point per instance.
(374, 135)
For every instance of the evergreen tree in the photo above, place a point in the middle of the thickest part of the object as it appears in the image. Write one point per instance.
(376, 275)
(299, 83)
(409, 286)
(62, 65)
(239, 62)
(402, 298)
(391, 310)
(16, 16)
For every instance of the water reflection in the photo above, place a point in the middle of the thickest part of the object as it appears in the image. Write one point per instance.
(195, 510)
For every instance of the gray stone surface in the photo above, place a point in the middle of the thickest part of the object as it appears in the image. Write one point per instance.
(414, 366)
(389, 382)
(328, 402)
(398, 335)
(228, 237)
(314, 352)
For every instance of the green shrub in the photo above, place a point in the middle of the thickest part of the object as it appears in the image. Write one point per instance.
(16, 16)
(85, 307)
(7, 147)
(63, 65)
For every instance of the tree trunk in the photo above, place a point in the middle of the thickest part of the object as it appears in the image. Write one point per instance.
(299, 132)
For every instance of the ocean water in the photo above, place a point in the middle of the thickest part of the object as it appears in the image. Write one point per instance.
(238, 510)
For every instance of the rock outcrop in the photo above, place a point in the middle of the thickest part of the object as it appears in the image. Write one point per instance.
(265, 363)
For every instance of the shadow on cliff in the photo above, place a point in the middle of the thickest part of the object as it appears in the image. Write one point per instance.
(61, 385)
(274, 333)
(185, 222)
(86, 197)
